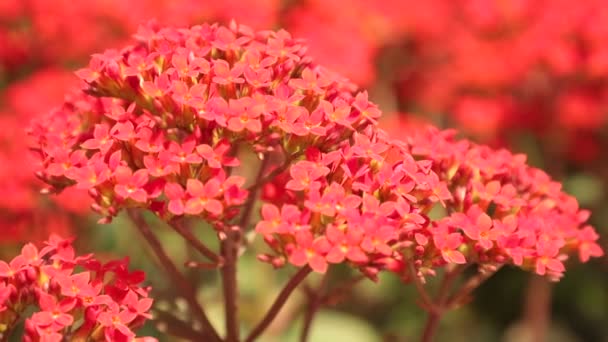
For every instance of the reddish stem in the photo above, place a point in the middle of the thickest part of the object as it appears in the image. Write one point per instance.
(424, 296)
(446, 302)
(314, 302)
(230, 286)
(465, 291)
(269, 177)
(439, 306)
(195, 242)
(317, 300)
(230, 254)
(279, 303)
(177, 278)
(537, 315)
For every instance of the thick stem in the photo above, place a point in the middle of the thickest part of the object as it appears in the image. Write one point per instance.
(177, 278)
(230, 254)
(537, 315)
(269, 177)
(431, 325)
(309, 315)
(317, 300)
(230, 286)
(473, 283)
(279, 303)
(439, 307)
(195, 242)
(314, 302)
(426, 299)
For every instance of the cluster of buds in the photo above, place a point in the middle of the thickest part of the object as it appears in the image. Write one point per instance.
(102, 302)
(166, 125)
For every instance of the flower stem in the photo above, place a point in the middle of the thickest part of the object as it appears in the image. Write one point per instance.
(537, 308)
(439, 306)
(309, 315)
(230, 254)
(465, 291)
(261, 179)
(424, 296)
(177, 278)
(195, 242)
(278, 303)
(315, 298)
(230, 286)
(432, 323)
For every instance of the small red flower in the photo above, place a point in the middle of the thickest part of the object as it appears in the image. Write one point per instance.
(102, 140)
(54, 313)
(203, 197)
(225, 75)
(310, 81)
(131, 185)
(448, 245)
(309, 251)
(345, 245)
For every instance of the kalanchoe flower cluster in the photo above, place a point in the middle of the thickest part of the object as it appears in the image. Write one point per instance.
(369, 203)
(166, 124)
(501, 211)
(103, 302)
(497, 71)
(352, 203)
(169, 115)
(24, 214)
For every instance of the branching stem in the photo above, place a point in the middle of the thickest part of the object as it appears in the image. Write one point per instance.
(279, 303)
(189, 293)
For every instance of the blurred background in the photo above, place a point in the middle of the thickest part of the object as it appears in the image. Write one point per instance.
(531, 75)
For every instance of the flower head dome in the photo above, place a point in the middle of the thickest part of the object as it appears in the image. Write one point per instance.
(176, 122)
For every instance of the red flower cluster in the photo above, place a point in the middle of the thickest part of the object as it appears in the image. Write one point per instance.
(76, 304)
(496, 70)
(362, 30)
(38, 32)
(37, 38)
(499, 70)
(173, 111)
(166, 123)
(501, 210)
(369, 203)
(24, 214)
(351, 203)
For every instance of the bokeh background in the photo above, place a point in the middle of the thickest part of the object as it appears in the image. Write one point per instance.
(531, 75)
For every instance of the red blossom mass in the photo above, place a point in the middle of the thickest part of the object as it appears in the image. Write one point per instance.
(25, 215)
(498, 71)
(102, 302)
(172, 133)
(35, 32)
